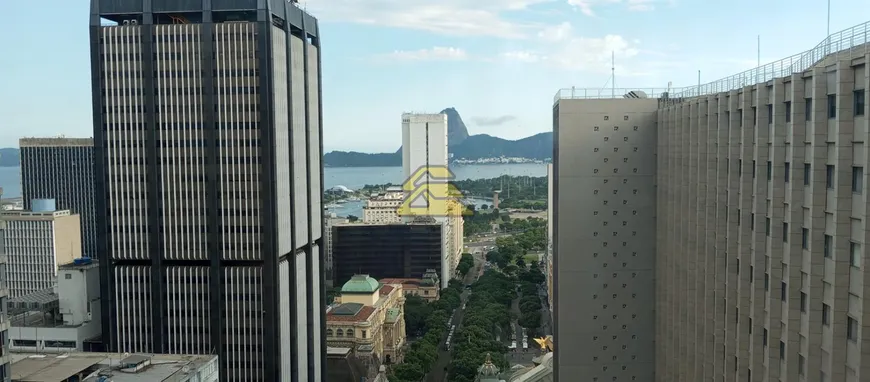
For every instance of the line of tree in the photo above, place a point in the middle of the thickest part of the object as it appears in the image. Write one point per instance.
(466, 262)
(487, 316)
(427, 322)
(530, 304)
(509, 251)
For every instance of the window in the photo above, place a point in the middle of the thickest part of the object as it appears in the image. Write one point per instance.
(767, 226)
(788, 111)
(855, 254)
(826, 315)
(769, 170)
(829, 243)
(769, 113)
(766, 281)
(68, 276)
(785, 232)
(754, 115)
(781, 350)
(832, 106)
(739, 215)
(753, 169)
(803, 302)
(808, 109)
(858, 180)
(751, 221)
(805, 238)
(802, 365)
(851, 329)
(829, 176)
(859, 102)
(807, 174)
(740, 167)
(787, 171)
(764, 337)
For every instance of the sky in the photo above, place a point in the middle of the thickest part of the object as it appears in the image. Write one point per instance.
(498, 62)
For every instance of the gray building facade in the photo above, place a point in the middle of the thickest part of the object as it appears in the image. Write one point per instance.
(759, 207)
(603, 237)
(762, 230)
(62, 169)
(207, 146)
(5, 361)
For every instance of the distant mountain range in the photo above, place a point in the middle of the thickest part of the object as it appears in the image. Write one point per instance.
(460, 144)
(9, 157)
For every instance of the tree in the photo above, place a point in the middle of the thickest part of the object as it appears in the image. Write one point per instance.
(417, 311)
(408, 371)
(484, 207)
(530, 320)
(352, 218)
(466, 262)
(521, 263)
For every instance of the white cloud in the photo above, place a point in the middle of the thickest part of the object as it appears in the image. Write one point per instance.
(438, 53)
(449, 17)
(523, 56)
(556, 33)
(587, 6)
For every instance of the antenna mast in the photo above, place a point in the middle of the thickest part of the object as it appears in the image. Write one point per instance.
(613, 72)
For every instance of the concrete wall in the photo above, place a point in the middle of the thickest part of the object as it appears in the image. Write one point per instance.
(762, 231)
(67, 239)
(604, 234)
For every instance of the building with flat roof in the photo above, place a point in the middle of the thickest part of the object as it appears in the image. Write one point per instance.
(398, 250)
(427, 288)
(207, 154)
(62, 169)
(383, 207)
(60, 319)
(114, 367)
(37, 241)
(735, 212)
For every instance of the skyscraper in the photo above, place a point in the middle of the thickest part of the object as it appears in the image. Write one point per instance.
(207, 146)
(424, 143)
(62, 169)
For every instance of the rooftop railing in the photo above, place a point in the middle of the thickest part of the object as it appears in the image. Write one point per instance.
(845, 44)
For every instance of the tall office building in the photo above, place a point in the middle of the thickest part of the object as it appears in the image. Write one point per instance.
(62, 169)
(207, 146)
(603, 237)
(760, 222)
(424, 144)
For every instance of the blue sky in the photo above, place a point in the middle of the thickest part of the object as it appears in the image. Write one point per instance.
(499, 62)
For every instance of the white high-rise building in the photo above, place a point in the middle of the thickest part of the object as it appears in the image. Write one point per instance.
(424, 143)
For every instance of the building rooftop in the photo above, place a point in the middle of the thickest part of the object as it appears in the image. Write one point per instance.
(80, 264)
(386, 290)
(348, 313)
(32, 215)
(360, 284)
(56, 142)
(31, 367)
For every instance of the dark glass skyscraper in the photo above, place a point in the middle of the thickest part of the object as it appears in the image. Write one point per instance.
(207, 139)
(62, 169)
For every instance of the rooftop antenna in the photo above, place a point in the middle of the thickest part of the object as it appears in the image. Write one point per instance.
(613, 73)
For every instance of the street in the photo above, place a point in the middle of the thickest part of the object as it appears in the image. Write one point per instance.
(439, 372)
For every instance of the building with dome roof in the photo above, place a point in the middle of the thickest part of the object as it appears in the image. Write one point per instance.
(369, 318)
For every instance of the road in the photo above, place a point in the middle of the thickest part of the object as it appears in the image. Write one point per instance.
(439, 369)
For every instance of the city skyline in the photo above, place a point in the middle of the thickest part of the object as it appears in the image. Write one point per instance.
(475, 85)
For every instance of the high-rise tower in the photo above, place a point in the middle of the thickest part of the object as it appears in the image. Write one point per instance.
(62, 169)
(207, 146)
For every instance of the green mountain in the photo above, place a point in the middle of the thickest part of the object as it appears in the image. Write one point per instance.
(461, 145)
(9, 157)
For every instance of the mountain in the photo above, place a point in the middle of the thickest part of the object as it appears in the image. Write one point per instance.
(460, 144)
(9, 157)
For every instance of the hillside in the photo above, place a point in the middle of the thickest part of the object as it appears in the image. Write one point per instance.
(9, 157)
(460, 144)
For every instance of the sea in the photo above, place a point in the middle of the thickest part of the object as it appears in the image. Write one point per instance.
(350, 177)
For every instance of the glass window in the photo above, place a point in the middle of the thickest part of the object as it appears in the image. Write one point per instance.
(859, 102)
(826, 315)
(785, 232)
(829, 244)
(829, 176)
(832, 106)
(808, 109)
(807, 174)
(787, 171)
(805, 238)
(788, 111)
(855, 254)
(858, 180)
(851, 329)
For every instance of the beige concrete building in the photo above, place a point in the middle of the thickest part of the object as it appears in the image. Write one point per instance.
(427, 287)
(758, 199)
(383, 207)
(369, 318)
(37, 241)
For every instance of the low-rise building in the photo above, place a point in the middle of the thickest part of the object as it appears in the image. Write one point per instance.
(426, 287)
(114, 367)
(60, 319)
(369, 317)
(37, 241)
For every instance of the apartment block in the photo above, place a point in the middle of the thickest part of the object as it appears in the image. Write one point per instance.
(62, 169)
(207, 153)
(762, 224)
(37, 241)
(603, 236)
(383, 207)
